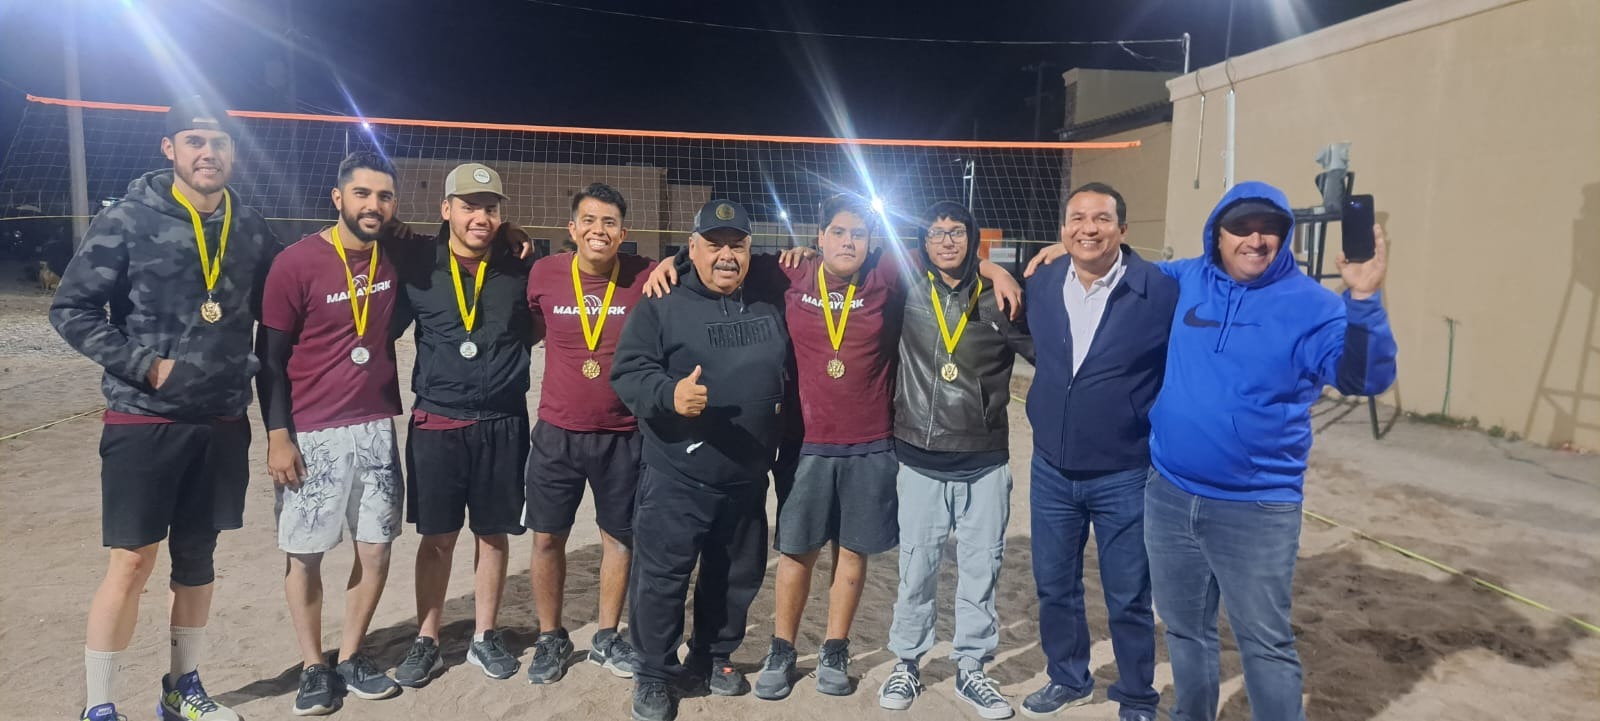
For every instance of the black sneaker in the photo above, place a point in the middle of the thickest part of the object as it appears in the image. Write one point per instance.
(318, 695)
(1053, 699)
(902, 687)
(652, 702)
(777, 671)
(833, 668)
(715, 676)
(614, 654)
(421, 664)
(550, 652)
(361, 677)
(491, 655)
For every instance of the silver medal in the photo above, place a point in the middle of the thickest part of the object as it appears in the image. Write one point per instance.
(360, 356)
(469, 350)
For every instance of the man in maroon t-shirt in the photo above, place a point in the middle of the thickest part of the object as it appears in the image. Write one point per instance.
(580, 300)
(329, 392)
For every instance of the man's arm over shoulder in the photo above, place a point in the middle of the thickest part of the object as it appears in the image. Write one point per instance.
(97, 273)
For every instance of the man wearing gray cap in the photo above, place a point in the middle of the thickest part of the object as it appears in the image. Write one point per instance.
(180, 262)
(468, 440)
(703, 370)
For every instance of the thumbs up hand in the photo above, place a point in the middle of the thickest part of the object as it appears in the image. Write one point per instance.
(689, 398)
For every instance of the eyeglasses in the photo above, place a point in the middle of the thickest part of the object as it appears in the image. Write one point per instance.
(947, 237)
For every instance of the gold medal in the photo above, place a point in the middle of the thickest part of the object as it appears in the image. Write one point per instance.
(591, 334)
(835, 333)
(210, 311)
(210, 269)
(949, 371)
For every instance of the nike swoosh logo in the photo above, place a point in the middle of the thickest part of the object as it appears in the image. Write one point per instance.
(1195, 321)
(693, 446)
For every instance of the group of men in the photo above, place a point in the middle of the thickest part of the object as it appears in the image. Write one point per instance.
(1169, 408)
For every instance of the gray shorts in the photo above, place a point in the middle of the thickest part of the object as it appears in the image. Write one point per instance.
(352, 478)
(847, 499)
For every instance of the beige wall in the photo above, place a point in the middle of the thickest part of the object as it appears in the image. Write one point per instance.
(1476, 124)
(1107, 92)
(1140, 174)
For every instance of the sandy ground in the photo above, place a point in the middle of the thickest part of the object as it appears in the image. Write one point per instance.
(1382, 636)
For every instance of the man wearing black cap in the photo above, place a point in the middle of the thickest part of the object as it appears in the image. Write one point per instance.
(180, 261)
(703, 371)
(468, 441)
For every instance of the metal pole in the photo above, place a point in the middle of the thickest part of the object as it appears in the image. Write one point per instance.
(1186, 53)
(1227, 152)
(75, 150)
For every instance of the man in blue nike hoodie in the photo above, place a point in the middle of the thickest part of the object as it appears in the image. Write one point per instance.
(1253, 342)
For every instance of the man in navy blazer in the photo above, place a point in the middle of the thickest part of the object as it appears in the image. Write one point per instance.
(1100, 326)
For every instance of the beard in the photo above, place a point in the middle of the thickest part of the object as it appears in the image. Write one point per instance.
(353, 222)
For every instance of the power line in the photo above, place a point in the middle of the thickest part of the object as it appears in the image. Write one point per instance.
(847, 36)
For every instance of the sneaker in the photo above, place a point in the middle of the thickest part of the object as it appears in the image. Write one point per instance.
(1054, 698)
(652, 702)
(716, 676)
(361, 677)
(491, 655)
(421, 664)
(983, 693)
(833, 668)
(1134, 715)
(317, 696)
(614, 654)
(777, 671)
(187, 699)
(103, 712)
(550, 652)
(902, 687)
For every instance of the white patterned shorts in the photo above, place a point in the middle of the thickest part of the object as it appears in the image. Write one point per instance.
(352, 477)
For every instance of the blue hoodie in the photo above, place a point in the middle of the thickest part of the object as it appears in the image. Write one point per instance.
(1246, 361)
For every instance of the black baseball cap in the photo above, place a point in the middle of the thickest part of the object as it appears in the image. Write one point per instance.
(197, 113)
(1251, 206)
(721, 214)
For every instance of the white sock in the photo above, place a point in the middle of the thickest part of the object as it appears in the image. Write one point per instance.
(186, 643)
(477, 637)
(99, 675)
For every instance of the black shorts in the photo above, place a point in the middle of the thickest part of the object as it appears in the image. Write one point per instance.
(476, 470)
(560, 460)
(182, 478)
(848, 499)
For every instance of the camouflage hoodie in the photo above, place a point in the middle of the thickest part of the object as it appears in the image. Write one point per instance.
(139, 261)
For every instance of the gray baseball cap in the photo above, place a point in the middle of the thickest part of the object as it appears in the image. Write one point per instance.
(469, 178)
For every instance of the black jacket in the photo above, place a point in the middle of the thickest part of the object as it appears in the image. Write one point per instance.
(494, 384)
(968, 414)
(741, 344)
(1099, 418)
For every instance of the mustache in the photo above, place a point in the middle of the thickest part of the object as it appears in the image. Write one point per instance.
(726, 265)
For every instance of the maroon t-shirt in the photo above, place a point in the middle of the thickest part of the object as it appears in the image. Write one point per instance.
(307, 298)
(567, 399)
(857, 407)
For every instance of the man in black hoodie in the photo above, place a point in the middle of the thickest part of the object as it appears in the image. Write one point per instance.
(703, 371)
(180, 261)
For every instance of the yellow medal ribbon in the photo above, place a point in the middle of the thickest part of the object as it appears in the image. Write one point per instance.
(468, 316)
(211, 269)
(835, 334)
(592, 336)
(950, 341)
(358, 311)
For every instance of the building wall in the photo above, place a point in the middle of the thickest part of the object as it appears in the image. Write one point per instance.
(1101, 93)
(1476, 124)
(1140, 174)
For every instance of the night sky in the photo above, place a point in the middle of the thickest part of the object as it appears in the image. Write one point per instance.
(530, 62)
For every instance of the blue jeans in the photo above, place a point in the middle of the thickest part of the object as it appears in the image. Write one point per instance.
(1243, 553)
(1063, 510)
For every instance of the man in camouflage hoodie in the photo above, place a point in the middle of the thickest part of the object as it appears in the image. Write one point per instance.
(179, 263)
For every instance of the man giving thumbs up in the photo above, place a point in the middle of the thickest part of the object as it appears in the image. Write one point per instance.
(702, 496)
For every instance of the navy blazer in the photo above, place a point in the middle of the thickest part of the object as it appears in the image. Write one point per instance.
(1099, 421)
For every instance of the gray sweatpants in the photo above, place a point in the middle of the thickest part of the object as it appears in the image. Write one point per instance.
(929, 510)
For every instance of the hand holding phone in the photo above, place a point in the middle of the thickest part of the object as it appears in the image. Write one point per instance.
(1356, 224)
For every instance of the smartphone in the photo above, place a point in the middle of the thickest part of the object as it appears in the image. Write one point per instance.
(1356, 224)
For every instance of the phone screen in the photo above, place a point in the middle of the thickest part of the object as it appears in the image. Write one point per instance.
(1356, 224)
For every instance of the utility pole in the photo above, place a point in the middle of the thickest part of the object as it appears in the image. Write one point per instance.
(1038, 94)
(76, 160)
